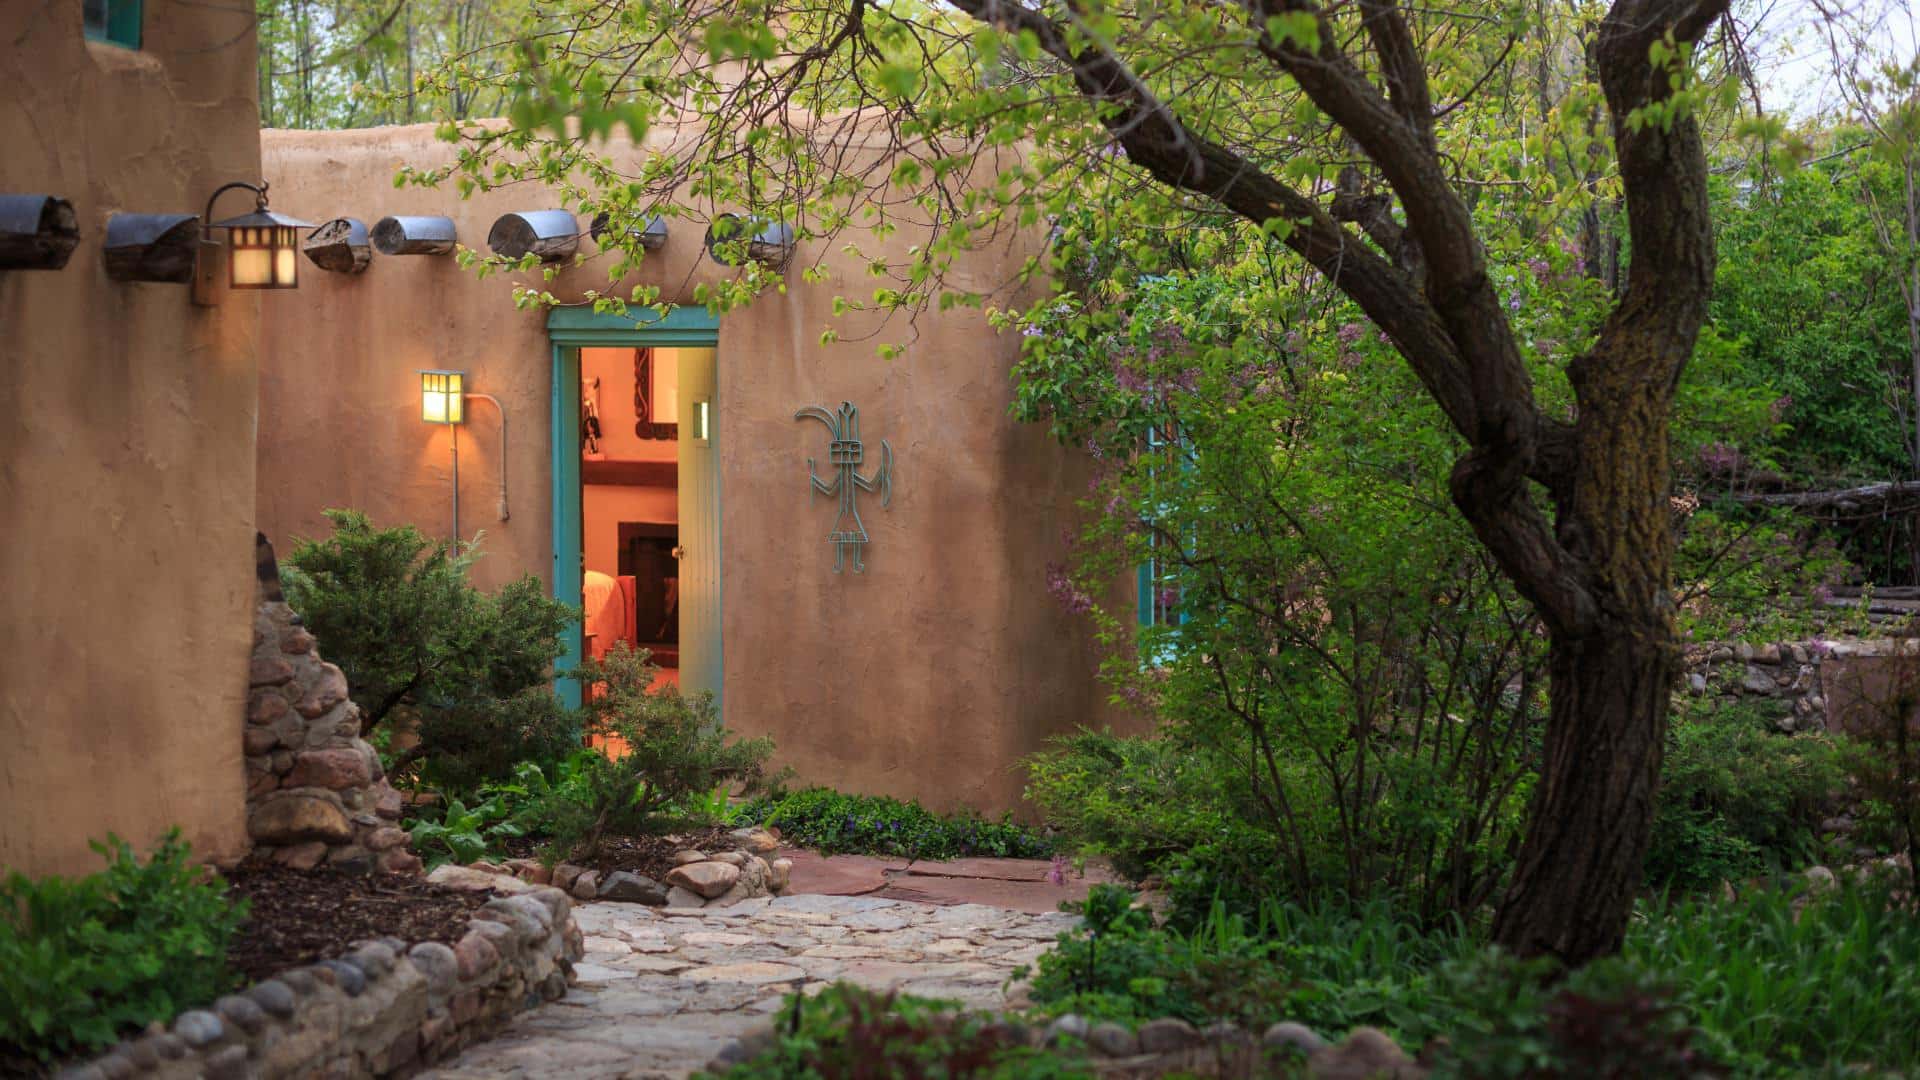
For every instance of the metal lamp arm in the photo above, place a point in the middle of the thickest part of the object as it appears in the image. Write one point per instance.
(502, 410)
(259, 197)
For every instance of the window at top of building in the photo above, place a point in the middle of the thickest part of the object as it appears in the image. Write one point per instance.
(116, 21)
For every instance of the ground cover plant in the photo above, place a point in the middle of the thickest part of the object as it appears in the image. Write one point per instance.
(1773, 982)
(84, 961)
(834, 823)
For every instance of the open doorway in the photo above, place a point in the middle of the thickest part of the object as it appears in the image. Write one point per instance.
(636, 488)
(629, 502)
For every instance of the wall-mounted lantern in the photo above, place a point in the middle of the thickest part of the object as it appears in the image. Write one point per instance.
(552, 235)
(701, 433)
(443, 399)
(413, 236)
(441, 393)
(341, 245)
(261, 247)
(769, 243)
(151, 247)
(37, 232)
(649, 237)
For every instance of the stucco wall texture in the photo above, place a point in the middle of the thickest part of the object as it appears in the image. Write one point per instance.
(126, 449)
(929, 676)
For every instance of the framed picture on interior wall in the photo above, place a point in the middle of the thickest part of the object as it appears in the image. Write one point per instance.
(648, 398)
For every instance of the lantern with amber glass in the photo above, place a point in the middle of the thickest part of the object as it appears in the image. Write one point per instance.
(441, 394)
(262, 247)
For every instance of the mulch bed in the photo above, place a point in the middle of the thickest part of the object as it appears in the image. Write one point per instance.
(649, 856)
(300, 916)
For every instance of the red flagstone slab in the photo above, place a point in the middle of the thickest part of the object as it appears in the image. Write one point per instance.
(839, 875)
(1014, 884)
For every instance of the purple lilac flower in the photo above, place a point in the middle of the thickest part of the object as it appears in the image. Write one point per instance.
(1513, 304)
(1060, 585)
(1350, 333)
(1781, 406)
(1540, 267)
(1719, 458)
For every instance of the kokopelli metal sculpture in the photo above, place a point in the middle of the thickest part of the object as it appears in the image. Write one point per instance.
(845, 454)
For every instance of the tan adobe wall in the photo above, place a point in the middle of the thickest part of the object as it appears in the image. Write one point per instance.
(929, 676)
(126, 448)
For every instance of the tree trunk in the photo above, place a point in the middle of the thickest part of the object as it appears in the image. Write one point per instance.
(1580, 865)
(1611, 678)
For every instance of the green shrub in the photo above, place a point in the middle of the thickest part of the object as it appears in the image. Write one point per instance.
(470, 669)
(1140, 802)
(1349, 693)
(670, 753)
(1737, 798)
(835, 823)
(849, 1033)
(84, 961)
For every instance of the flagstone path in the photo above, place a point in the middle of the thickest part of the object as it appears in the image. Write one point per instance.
(662, 990)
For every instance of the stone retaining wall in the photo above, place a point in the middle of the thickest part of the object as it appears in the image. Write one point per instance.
(316, 791)
(1820, 685)
(382, 1010)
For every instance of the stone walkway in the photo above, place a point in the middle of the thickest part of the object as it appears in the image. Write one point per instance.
(661, 991)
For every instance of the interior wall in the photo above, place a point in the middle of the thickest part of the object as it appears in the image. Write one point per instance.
(126, 448)
(614, 369)
(928, 677)
(604, 506)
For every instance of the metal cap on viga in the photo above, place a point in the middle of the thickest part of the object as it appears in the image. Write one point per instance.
(734, 240)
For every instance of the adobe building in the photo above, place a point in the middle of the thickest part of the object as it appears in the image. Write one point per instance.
(850, 552)
(664, 463)
(127, 418)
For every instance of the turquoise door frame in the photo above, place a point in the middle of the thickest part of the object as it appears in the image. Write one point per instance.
(568, 329)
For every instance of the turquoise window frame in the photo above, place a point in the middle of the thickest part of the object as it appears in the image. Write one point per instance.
(568, 330)
(124, 24)
(1147, 584)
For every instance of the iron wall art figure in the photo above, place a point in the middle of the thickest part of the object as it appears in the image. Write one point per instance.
(845, 454)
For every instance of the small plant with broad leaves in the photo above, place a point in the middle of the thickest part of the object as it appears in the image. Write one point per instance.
(466, 833)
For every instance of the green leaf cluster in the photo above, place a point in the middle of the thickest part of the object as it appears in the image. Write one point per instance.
(663, 753)
(84, 961)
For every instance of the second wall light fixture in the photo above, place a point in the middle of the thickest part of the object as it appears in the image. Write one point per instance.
(443, 397)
